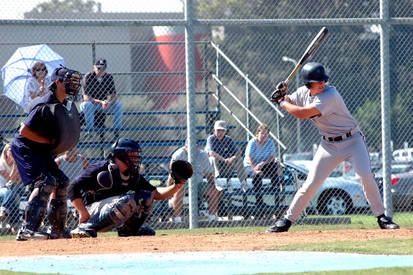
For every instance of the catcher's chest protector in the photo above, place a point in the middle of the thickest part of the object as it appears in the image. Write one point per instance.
(68, 123)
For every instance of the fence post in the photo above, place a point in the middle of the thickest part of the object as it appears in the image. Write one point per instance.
(190, 105)
(385, 105)
(247, 104)
(93, 52)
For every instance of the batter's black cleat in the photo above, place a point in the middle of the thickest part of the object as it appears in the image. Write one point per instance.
(26, 234)
(386, 222)
(280, 226)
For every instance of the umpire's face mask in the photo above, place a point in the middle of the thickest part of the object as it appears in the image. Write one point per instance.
(73, 83)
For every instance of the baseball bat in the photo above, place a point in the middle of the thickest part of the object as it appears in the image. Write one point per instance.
(309, 51)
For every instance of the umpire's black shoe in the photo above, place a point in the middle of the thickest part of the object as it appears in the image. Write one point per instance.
(26, 234)
(386, 222)
(280, 226)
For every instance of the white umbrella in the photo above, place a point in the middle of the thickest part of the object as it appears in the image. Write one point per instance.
(17, 70)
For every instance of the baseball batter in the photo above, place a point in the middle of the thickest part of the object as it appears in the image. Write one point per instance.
(341, 140)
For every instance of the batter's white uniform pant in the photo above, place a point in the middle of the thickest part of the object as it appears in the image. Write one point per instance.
(328, 156)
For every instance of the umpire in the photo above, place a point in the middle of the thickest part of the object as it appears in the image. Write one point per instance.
(51, 128)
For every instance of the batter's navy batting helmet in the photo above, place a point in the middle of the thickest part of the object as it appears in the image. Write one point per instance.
(314, 72)
(120, 150)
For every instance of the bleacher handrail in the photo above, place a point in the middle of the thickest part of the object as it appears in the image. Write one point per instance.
(246, 109)
(238, 70)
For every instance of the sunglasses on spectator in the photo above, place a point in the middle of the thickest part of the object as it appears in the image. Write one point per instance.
(40, 70)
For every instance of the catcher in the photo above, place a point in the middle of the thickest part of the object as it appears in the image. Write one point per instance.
(112, 194)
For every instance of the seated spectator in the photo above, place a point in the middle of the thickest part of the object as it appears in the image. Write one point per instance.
(203, 168)
(71, 163)
(36, 86)
(100, 96)
(10, 189)
(224, 154)
(259, 160)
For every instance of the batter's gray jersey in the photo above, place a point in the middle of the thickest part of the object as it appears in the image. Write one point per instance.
(334, 121)
(335, 118)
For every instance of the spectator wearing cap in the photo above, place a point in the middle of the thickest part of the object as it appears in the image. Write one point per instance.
(100, 96)
(51, 127)
(202, 168)
(224, 154)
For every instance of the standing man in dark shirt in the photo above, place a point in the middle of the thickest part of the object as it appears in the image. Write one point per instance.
(112, 194)
(100, 95)
(51, 128)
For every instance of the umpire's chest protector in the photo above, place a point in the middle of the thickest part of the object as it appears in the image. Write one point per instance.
(68, 124)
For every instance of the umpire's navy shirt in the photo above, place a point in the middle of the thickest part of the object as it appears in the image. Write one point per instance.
(86, 186)
(34, 159)
(41, 120)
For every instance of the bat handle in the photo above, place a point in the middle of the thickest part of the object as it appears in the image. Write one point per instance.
(293, 72)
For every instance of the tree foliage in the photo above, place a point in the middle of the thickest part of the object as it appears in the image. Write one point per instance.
(351, 54)
(63, 6)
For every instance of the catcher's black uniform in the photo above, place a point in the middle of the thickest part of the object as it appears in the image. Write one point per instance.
(112, 200)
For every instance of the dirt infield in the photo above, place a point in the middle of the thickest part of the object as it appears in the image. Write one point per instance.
(198, 242)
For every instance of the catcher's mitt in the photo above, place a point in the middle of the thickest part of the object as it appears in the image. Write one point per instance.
(181, 170)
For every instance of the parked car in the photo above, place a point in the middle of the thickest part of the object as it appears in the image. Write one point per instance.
(298, 156)
(401, 185)
(337, 195)
(403, 154)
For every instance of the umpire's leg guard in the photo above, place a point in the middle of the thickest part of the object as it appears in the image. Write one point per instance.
(36, 209)
(58, 210)
(133, 226)
(111, 216)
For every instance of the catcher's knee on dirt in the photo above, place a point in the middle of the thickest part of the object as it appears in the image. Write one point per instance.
(115, 214)
(58, 209)
(133, 226)
(37, 207)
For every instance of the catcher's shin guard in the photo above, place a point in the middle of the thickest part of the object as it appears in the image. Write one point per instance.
(58, 212)
(113, 215)
(36, 208)
(133, 226)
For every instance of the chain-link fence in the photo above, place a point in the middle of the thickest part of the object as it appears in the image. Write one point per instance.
(240, 49)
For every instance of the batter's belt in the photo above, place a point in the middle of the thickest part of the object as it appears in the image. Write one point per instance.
(340, 138)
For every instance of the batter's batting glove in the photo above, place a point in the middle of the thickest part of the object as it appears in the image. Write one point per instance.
(283, 86)
(181, 171)
(277, 96)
